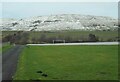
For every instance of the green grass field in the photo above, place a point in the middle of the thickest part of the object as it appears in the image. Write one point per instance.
(68, 63)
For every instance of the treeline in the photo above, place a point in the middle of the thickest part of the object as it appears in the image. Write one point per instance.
(21, 37)
(17, 38)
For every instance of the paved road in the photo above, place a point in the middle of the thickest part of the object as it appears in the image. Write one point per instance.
(87, 43)
(9, 62)
(0, 67)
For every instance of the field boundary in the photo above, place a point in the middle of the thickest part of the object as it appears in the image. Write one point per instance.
(87, 43)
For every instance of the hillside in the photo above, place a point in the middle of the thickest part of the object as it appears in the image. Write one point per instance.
(60, 22)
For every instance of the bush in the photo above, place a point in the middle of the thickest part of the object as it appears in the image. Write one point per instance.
(92, 38)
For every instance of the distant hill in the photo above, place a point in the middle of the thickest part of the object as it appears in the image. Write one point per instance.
(60, 22)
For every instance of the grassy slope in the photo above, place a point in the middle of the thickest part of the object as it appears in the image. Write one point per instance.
(0, 49)
(105, 35)
(6, 46)
(68, 63)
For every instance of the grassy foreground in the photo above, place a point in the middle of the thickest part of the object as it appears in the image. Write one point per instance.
(68, 63)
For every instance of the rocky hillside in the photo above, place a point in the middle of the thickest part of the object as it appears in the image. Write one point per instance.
(60, 22)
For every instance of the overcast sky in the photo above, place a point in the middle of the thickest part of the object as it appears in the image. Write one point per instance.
(25, 9)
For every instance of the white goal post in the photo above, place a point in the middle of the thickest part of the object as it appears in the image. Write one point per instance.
(58, 41)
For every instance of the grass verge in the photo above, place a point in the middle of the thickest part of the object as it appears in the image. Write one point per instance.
(5, 47)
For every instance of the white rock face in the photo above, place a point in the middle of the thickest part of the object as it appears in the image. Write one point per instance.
(59, 22)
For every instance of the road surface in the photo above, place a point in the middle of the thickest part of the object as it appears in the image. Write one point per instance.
(9, 62)
(0, 62)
